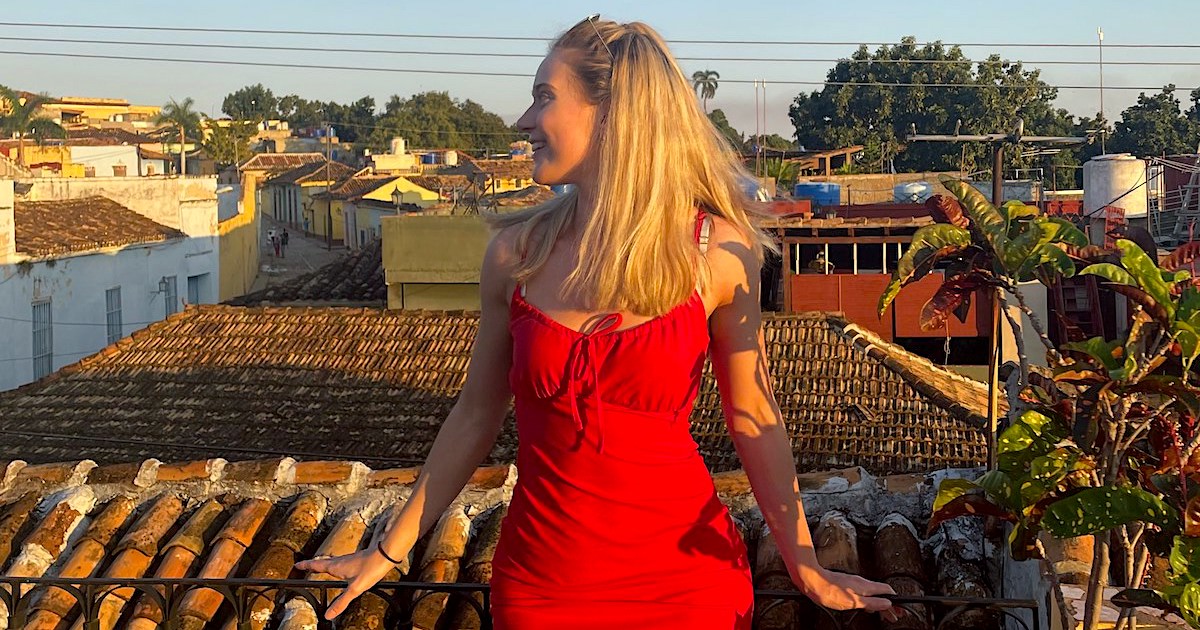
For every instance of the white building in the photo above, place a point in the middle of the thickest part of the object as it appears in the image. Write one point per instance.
(85, 262)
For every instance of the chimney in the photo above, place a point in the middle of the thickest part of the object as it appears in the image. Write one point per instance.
(8, 224)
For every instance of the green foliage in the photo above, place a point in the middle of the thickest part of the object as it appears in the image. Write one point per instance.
(228, 144)
(1095, 510)
(435, 120)
(930, 245)
(735, 137)
(182, 116)
(1155, 125)
(253, 102)
(19, 116)
(705, 82)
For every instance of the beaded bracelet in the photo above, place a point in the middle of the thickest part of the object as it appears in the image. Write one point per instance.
(379, 547)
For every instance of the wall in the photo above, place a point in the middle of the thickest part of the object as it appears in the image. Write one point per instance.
(433, 261)
(188, 204)
(1037, 297)
(76, 286)
(877, 187)
(1023, 189)
(409, 193)
(320, 212)
(104, 159)
(240, 242)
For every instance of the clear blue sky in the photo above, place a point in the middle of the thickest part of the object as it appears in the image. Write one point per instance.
(1043, 21)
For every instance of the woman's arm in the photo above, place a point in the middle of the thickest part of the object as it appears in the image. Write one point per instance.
(462, 443)
(756, 425)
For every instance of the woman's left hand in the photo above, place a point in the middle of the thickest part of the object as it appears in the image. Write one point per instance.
(843, 591)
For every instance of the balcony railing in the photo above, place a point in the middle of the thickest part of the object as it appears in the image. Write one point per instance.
(245, 603)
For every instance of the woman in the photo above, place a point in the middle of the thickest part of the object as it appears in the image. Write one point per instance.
(598, 310)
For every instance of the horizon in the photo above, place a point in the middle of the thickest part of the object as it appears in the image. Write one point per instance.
(156, 82)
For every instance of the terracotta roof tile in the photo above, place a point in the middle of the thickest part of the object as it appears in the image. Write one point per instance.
(501, 168)
(48, 228)
(355, 186)
(259, 532)
(312, 171)
(274, 163)
(355, 279)
(329, 383)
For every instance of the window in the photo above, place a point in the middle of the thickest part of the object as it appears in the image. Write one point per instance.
(112, 311)
(43, 339)
(170, 295)
(197, 289)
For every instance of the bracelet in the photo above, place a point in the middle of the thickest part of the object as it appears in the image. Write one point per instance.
(379, 548)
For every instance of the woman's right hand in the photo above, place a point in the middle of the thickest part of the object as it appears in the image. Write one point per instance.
(362, 570)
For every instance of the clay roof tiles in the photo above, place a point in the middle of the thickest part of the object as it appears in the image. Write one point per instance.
(254, 519)
(313, 171)
(274, 163)
(49, 228)
(375, 385)
(354, 279)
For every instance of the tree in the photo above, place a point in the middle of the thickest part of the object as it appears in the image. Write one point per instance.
(354, 122)
(876, 105)
(181, 116)
(227, 142)
(1155, 125)
(300, 113)
(253, 102)
(21, 118)
(434, 119)
(772, 141)
(735, 137)
(705, 84)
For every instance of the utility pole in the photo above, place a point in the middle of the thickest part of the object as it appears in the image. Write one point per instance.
(328, 189)
(1103, 118)
(998, 142)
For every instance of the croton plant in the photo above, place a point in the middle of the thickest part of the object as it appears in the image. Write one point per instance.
(1104, 441)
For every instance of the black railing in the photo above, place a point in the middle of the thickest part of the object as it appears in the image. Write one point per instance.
(242, 600)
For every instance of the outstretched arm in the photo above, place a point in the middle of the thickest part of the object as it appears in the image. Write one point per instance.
(756, 425)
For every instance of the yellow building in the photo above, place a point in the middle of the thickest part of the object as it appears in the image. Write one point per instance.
(239, 241)
(495, 176)
(264, 166)
(292, 198)
(70, 110)
(361, 201)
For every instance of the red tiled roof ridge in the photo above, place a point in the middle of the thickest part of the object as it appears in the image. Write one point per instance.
(53, 227)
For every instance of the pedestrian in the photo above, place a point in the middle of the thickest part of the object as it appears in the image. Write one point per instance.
(283, 242)
(652, 260)
(275, 244)
(271, 236)
(305, 227)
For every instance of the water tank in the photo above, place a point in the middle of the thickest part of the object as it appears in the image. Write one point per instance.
(1117, 180)
(912, 192)
(429, 158)
(397, 146)
(451, 158)
(560, 189)
(821, 194)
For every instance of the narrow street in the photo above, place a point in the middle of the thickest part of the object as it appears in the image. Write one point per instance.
(302, 256)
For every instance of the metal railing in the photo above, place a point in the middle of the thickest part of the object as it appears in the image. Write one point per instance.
(247, 603)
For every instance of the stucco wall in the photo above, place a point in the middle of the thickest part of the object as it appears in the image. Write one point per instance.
(433, 261)
(76, 288)
(188, 204)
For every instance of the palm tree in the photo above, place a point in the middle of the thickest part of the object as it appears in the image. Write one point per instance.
(705, 84)
(181, 116)
(20, 117)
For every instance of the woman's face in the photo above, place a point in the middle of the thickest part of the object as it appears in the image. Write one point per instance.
(561, 124)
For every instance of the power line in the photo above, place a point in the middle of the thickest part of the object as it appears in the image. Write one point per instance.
(195, 29)
(479, 73)
(461, 53)
(54, 323)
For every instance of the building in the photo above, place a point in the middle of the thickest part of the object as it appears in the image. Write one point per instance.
(87, 262)
(292, 203)
(363, 199)
(81, 110)
(494, 176)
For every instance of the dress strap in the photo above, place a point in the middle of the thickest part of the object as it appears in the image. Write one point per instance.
(703, 228)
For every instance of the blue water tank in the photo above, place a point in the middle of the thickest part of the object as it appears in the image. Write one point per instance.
(560, 189)
(821, 194)
(429, 158)
(912, 192)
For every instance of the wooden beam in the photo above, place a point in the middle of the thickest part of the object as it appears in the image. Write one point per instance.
(846, 240)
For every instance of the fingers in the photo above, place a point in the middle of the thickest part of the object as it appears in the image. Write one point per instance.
(319, 564)
(875, 604)
(342, 602)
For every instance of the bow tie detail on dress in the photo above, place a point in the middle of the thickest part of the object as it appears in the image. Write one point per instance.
(583, 359)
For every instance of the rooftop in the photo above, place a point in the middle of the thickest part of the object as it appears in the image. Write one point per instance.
(274, 163)
(321, 171)
(356, 278)
(375, 385)
(501, 169)
(49, 228)
(356, 186)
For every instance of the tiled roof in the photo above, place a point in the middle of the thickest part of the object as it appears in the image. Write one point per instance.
(445, 183)
(355, 186)
(356, 278)
(374, 384)
(112, 136)
(528, 196)
(313, 171)
(253, 520)
(501, 169)
(279, 162)
(47, 228)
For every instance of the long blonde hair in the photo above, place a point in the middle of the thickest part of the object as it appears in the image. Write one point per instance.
(661, 160)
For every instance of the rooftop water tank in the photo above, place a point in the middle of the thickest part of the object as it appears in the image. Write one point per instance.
(912, 192)
(821, 194)
(1117, 180)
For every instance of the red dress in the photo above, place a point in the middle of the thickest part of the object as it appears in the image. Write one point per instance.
(614, 520)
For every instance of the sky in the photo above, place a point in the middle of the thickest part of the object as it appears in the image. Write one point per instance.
(375, 25)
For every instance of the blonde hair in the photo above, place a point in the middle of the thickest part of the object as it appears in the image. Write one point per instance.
(661, 160)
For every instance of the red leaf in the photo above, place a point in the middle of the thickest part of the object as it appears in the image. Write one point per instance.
(968, 505)
(1142, 299)
(945, 209)
(1090, 254)
(1182, 257)
(951, 297)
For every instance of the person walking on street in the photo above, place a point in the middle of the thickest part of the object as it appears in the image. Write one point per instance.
(283, 243)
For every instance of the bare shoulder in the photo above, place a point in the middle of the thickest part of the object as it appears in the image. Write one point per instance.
(732, 261)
